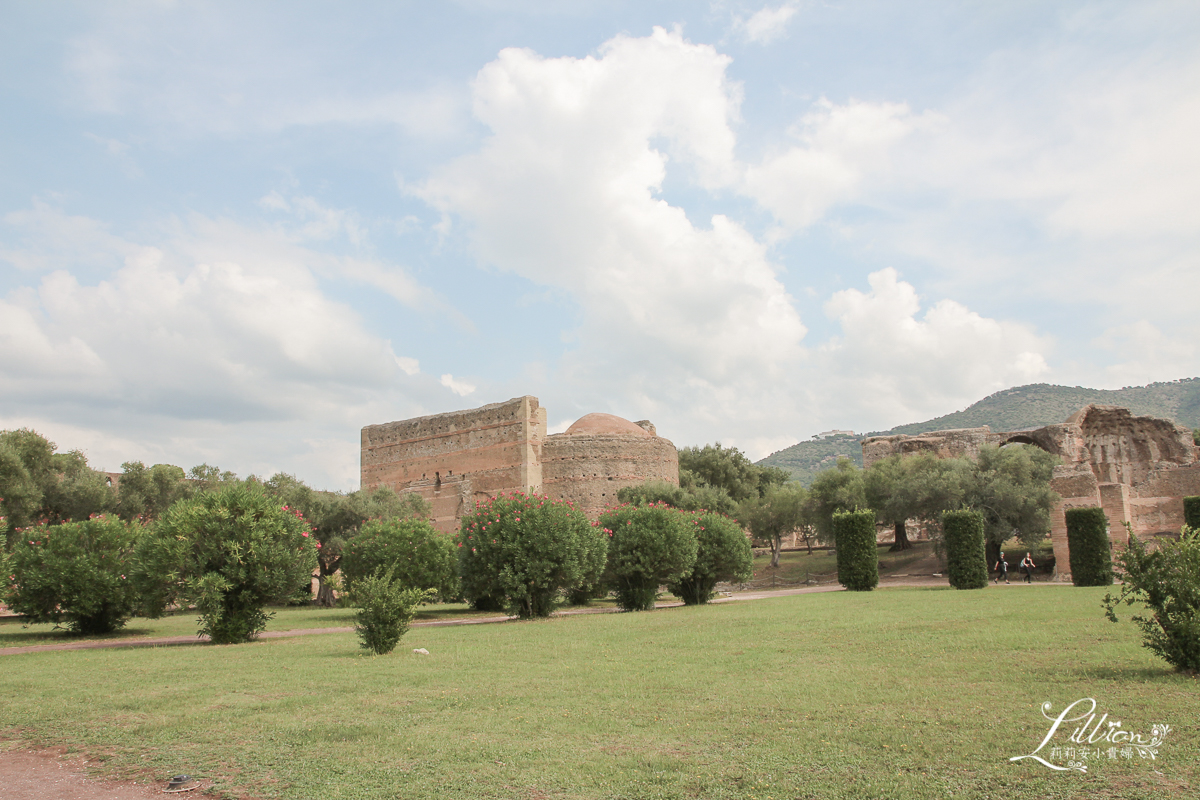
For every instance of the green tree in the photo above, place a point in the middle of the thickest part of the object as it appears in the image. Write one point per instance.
(722, 554)
(918, 487)
(37, 483)
(833, 490)
(728, 469)
(147, 492)
(648, 546)
(229, 553)
(415, 553)
(1088, 543)
(770, 517)
(1011, 486)
(75, 572)
(521, 550)
(966, 558)
(694, 497)
(78, 492)
(857, 553)
(1166, 582)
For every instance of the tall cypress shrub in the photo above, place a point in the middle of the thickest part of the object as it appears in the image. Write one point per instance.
(966, 558)
(857, 554)
(1087, 539)
(1191, 512)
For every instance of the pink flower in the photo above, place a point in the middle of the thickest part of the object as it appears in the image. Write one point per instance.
(305, 534)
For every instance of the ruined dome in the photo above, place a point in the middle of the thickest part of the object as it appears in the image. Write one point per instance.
(607, 423)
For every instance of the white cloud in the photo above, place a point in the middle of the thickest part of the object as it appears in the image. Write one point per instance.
(1144, 353)
(460, 388)
(767, 24)
(893, 365)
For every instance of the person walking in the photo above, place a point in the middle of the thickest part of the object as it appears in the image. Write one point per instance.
(1027, 567)
(1001, 569)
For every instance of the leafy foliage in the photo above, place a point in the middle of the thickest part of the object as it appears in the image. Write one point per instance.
(1011, 486)
(230, 553)
(416, 554)
(966, 557)
(37, 483)
(805, 460)
(857, 555)
(780, 511)
(727, 469)
(917, 486)
(521, 550)
(839, 489)
(1166, 582)
(648, 546)
(147, 492)
(386, 608)
(695, 496)
(1091, 555)
(75, 572)
(722, 554)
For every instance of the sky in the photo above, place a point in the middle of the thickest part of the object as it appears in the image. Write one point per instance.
(236, 233)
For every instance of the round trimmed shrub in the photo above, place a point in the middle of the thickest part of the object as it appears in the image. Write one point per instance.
(648, 546)
(857, 553)
(966, 554)
(385, 610)
(722, 554)
(519, 551)
(75, 573)
(1191, 512)
(1090, 553)
(418, 555)
(229, 553)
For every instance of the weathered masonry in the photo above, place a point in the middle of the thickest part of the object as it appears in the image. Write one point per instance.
(1138, 469)
(454, 459)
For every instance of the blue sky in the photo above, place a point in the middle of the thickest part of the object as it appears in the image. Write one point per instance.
(237, 233)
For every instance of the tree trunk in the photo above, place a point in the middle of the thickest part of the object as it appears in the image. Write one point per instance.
(325, 598)
(902, 542)
(776, 548)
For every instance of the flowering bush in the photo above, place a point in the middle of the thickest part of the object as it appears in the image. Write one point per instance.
(520, 551)
(722, 554)
(385, 610)
(75, 572)
(416, 553)
(648, 546)
(229, 552)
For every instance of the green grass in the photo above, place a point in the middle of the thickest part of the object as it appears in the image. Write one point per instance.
(18, 632)
(794, 565)
(897, 693)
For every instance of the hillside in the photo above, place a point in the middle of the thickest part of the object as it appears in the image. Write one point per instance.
(1014, 409)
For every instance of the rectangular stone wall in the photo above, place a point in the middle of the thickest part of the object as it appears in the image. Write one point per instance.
(455, 458)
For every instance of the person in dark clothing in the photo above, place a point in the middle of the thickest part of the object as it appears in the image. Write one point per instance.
(1001, 569)
(1027, 567)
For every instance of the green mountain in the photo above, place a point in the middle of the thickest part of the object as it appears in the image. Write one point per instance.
(1014, 409)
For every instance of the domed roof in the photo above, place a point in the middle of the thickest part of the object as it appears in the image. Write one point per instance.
(607, 423)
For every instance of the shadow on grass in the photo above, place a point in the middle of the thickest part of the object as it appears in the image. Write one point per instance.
(1125, 674)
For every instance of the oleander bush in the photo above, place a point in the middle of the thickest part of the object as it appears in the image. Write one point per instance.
(1090, 552)
(966, 556)
(648, 546)
(75, 574)
(229, 553)
(386, 608)
(1166, 582)
(519, 552)
(722, 554)
(857, 553)
(418, 555)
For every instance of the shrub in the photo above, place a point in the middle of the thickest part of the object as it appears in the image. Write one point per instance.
(77, 573)
(648, 546)
(1191, 511)
(857, 554)
(385, 610)
(229, 552)
(418, 555)
(966, 556)
(593, 560)
(519, 551)
(1167, 582)
(1087, 539)
(722, 554)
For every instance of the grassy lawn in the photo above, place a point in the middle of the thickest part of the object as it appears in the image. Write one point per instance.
(16, 632)
(898, 693)
(821, 565)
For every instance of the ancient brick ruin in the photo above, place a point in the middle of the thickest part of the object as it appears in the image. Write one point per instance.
(1138, 469)
(454, 459)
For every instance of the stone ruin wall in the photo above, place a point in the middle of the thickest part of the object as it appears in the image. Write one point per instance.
(456, 458)
(589, 469)
(1138, 469)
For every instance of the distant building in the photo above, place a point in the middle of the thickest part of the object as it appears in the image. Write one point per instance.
(835, 432)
